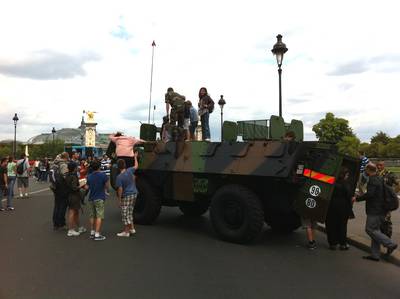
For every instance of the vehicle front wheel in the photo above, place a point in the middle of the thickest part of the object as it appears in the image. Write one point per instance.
(148, 203)
(236, 214)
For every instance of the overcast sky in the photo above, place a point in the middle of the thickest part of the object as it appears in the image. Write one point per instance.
(58, 58)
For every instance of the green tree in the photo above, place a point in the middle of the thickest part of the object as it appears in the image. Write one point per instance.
(364, 147)
(380, 137)
(349, 145)
(391, 150)
(47, 149)
(332, 129)
(5, 150)
(396, 139)
(376, 150)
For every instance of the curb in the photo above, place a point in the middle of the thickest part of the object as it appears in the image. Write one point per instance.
(364, 244)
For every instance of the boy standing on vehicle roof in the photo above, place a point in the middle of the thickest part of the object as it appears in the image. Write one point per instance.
(175, 101)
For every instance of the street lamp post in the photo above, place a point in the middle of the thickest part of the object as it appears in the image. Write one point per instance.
(279, 50)
(53, 132)
(15, 119)
(221, 104)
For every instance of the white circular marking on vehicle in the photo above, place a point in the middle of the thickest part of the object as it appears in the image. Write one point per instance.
(315, 190)
(311, 203)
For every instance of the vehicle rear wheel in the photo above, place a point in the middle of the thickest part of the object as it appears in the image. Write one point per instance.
(148, 203)
(284, 223)
(236, 214)
(194, 208)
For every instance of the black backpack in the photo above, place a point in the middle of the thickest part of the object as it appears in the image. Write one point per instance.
(57, 180)
(390, 200)
(21, 168)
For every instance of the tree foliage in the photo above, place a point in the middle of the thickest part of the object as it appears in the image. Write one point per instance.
(380, 137)
(349, 145)
(337, 130)
(332, 129)
(48, 149)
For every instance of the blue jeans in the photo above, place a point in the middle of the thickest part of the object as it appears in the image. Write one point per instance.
(10, 194)
(205, 125)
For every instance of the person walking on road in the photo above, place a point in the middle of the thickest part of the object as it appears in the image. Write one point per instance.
(390, 180)
(339, 212)
(127, 194)
(74, 201)
(3, 181)
(97, 183)
(375, 214)
(23, 176)
(12, 177)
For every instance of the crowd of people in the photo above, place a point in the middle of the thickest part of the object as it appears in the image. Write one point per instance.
(73, 179)
(370, 188)
(12, 171)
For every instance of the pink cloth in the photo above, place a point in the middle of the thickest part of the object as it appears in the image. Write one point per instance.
(124, 145)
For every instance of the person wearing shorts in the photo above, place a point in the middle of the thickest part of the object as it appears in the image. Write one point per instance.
(310, 225)
(127, 194)
(97, 183)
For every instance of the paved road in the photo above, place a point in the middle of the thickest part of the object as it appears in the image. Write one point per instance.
(175, 258)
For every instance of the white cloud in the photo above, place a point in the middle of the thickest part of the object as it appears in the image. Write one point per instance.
(223, 45)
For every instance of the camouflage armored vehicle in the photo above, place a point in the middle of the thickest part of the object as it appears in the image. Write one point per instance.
(260, 179)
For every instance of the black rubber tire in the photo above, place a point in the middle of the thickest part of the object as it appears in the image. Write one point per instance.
(236, 214)
(284, 223)
(194, 208)
(148, 203)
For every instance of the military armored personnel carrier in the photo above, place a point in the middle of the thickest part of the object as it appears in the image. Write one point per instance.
(260, 179)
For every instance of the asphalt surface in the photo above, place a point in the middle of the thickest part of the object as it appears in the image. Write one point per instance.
(177, 257)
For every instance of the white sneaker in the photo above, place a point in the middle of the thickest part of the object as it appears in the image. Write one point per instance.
(21, 195)
(81, 230)
(123, 234)
(72, 233)
(132, 231)
(26, 195)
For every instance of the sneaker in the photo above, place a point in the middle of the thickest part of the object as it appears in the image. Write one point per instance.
(10, 209)
(91, 236)
(344, 247)
(371, 258)
(26, 195)
(99, 238)
(81, 230)
(123, 234)
(312, 245)
(132, 231)
(73, 233)
(391, 249)
(21, 195)
(2, 209)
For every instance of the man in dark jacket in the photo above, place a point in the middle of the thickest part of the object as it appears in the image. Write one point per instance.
(375, 214)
